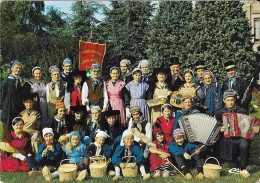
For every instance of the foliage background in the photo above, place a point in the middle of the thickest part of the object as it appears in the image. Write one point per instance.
(215, 32)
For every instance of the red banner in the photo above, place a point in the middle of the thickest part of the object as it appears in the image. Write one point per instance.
(90, 53)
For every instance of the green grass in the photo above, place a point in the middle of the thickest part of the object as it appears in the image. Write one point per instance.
(253, 168)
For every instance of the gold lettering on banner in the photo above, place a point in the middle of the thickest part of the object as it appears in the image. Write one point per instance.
(85, 61)
(94, 60)
(91, 51)
(92, 55)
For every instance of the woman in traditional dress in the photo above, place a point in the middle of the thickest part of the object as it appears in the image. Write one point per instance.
(32, 122)
(74, 89)
(213, 94)
(114, 90)
(161, 90)
(137, 94)
(38, 86)
(192, 89)
(166, 122)
(20, 159)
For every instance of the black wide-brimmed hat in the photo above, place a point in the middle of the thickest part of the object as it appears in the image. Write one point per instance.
(77, 72)
(230, 65)
(111, 113)
(166, 71)
(174, 61)
(78, 109)
(200, 65)
(28, 96)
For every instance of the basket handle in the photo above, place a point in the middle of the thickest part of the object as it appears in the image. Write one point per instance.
(68, 160)
(99, 156)
(211, 158)
(129, 157)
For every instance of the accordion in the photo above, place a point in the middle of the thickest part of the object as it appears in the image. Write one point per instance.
(200, 128)
(239, 125)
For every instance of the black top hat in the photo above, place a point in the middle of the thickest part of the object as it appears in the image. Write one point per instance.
(110, 111)
(230, 65)
(78, 108)
(200, 65)
(174, 61)
(166, 71)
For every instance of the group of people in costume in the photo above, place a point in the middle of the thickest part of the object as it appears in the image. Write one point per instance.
(78, 116)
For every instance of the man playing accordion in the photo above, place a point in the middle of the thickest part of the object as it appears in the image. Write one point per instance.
(234, 146)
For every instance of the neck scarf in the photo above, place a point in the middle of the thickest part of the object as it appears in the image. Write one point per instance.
(96, 83)
(232, 81)
(58, 83)
(18, 80)
(98, 150)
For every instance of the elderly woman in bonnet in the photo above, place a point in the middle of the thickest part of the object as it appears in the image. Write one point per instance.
(213, 93)
(67, 68)
(11, 96)
(21, 158)
(93, 92)
(125, 68)
(147, 74)
(55, 90)
(37, 87)
(114, 88)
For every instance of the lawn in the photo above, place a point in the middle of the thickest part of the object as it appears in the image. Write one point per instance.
(253, 168)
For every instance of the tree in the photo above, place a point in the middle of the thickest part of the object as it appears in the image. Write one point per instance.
(220, 32)
(168, 35)
(126, 26)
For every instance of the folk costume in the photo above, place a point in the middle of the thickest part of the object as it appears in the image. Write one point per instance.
(64, 75)
(127, 76)
(179, 150)
(136, 94)
(166, 126)
(143, 126)
(52, 157)
(213, 96)
(23, 146)
(199, 80)
(114, 91)
(11, 99)
(40, 89)
(55, 92)
(160, 90)
(73, 94)
(230, 147)
(156, 162)
(239, 85)
(94, 92)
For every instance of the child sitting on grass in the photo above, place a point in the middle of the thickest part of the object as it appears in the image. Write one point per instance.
(159, 155)
(50, 151)
(75, 151)
(99, 148)
(126, 148)
(182, 151)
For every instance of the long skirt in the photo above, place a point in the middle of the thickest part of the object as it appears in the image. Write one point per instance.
(12, 164)
(118, 104)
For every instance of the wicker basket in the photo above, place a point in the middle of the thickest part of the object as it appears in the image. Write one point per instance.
(156, 102)
(128, 171)
(67, 171)
(211, 171)
(98, 166)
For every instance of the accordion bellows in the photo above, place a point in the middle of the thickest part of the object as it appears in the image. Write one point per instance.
(239, 125)
(200, 128)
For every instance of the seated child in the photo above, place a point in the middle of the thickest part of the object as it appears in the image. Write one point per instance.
(143, 126)
(50, 151)
(93, 126)
(111, 125)
(128, 148)
(75, 151)
(182, 151)
(99, 148)
(159, 155)
(166, 122)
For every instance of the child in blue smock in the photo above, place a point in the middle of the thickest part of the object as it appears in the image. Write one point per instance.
(75, 151)
(182, 151)
(127, 147)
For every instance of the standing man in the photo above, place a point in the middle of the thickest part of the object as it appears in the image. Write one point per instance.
(238, 84)
(55, 90)
(175, 79)
(67, 69)
(200, 69)
(125, 68)
(11, 98)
